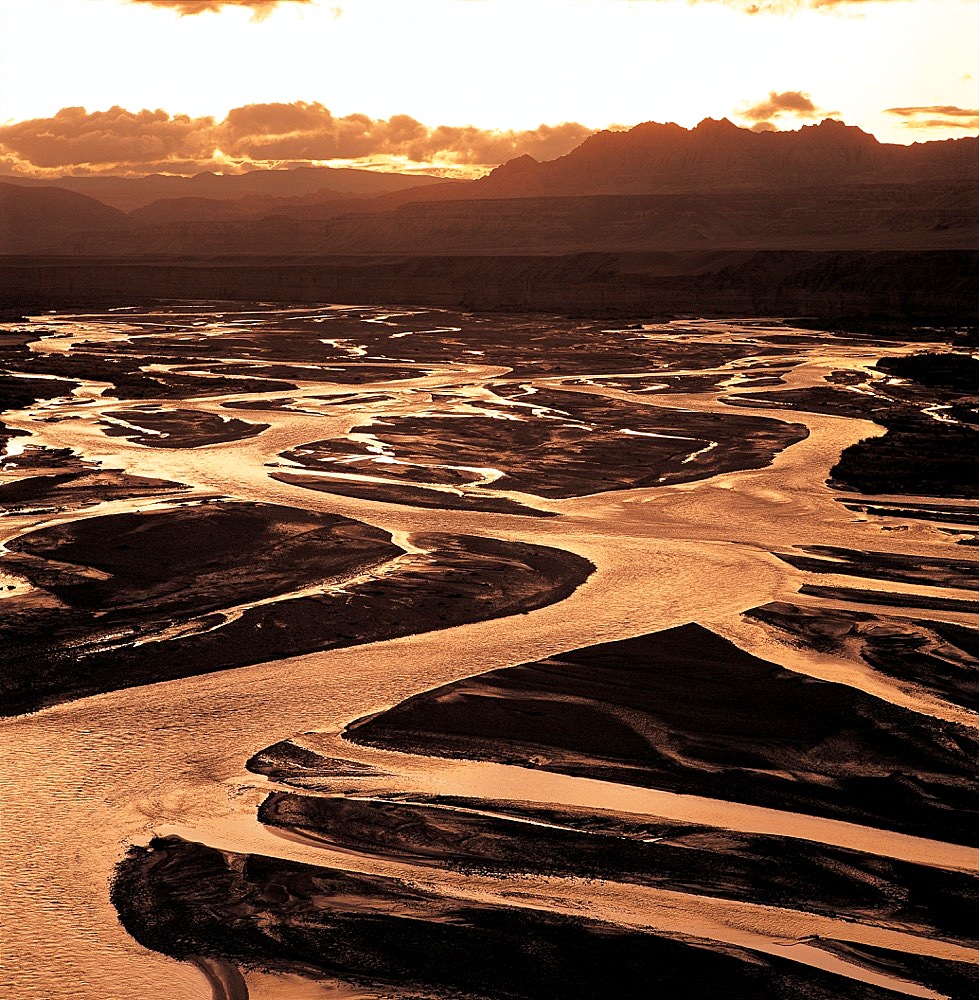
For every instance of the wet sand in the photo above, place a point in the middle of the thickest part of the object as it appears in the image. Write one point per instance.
(289, 582)
(290, 916)
(688, 711)
(780, 900)
(940, 656)
(383, 492)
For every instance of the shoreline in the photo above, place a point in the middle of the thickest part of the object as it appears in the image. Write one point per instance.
(349, 587)
(686, 710)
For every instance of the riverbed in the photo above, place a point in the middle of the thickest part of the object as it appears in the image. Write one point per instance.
(86, 779)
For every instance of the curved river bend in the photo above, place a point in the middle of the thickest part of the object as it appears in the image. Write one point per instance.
(86, 779)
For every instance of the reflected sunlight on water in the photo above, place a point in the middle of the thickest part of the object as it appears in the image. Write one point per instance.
(83, 780)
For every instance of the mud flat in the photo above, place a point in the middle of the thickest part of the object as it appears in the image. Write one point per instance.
(920, 459)
(358, 399)
(928, 403)
(891, 599)
(935, 571)
(681, 709)
(575, 444)
(758, 825)
(941, 657)
(942, 513)
(136, 598)
(107, 591)
(155, 427)
(17, 393)
(188, 899)
(69, 490)
(686, 710)
(953, 979)
(122, 371)
(412, 496)
(485, 836)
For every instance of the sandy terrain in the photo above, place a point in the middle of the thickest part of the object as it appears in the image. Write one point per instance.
(723, 801)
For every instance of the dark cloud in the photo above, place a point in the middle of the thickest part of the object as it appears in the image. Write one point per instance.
(938, 116)
(259, 135)
(184, 7)
(789, 104)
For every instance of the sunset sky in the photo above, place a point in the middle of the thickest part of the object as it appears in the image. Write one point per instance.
(132, 86)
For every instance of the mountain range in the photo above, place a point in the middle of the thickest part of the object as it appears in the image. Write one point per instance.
(718, 156)
(655, 187)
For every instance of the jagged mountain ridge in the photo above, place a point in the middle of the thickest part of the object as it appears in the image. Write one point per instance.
(716, 156)
(655, 187)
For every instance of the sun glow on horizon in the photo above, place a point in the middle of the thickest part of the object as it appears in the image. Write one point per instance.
(460, 77)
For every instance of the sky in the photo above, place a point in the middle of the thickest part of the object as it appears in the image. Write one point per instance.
(135, 86)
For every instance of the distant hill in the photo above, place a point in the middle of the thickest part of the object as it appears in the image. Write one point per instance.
(33, 220)
(717, 156)
(854, 217)
(655, 188)
(323, 203)
(128, 193)
(851, 217)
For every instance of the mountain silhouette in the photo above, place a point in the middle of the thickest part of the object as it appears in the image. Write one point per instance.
(717, 156)
(33, 219)
(656, 187)
(128, 193)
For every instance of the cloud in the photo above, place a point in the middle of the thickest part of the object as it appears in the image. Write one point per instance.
(783, 7)
(937, 116)
(303, 131)
(262, 8)
(259, 135)
(74, 137)
(791, 6)
(789, 104)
